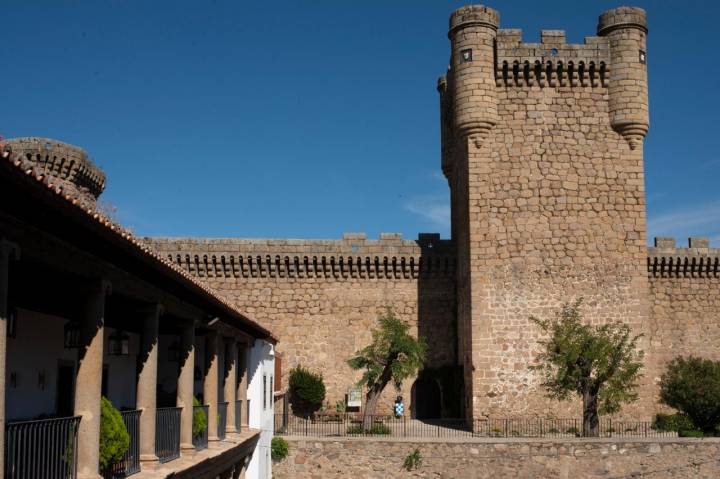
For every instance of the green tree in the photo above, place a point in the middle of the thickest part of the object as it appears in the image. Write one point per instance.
(601, 364)
(307, 389)
(392, 356)
(114, 438)
(692, 386)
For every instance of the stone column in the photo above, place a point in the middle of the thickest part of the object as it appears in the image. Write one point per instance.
(210, 384)
(185, 386)
(230, 386)
(242, 382)
(147, 382)
(88, 383)
(8, 252)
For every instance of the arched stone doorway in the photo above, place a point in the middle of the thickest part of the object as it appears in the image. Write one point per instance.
(426, 399)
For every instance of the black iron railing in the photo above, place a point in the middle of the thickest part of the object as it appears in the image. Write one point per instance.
(130, 463)
(342, 424)
(238, 415)
(200, 438)
(45, 448)
(167, 433)
(222, 420)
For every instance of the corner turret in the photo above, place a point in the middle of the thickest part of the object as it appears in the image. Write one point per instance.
(472, 67)
(626, 30)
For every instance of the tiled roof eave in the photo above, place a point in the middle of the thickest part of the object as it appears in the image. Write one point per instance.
(134, 245)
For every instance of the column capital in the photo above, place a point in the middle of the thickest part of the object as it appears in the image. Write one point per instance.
(9, 249)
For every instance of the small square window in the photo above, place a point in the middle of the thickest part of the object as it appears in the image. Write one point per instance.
(643, 57)
(466, 55)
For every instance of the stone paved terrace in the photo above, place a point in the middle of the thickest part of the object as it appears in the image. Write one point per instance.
(195, 463)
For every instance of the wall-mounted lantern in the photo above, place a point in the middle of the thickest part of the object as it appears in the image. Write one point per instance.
(119, 344)
(72, 335)
(12, 323)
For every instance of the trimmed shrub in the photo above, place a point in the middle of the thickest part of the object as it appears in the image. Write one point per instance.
(377, 429)
(307, 389)
(199, 419)
(692, 386)
(278, 449)
(114, 438)
(672, 423)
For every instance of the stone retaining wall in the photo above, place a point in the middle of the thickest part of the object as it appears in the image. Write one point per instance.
(533, 459)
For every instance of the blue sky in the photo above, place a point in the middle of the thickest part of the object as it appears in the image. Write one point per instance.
(305, 119)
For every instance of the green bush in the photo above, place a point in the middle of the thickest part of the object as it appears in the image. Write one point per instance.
(114, 438)
(377, 429)
(199, 419)
(692, 386)
(307, 387)
(413, 460)
(691, 433)
(672, 423)
(278, 449)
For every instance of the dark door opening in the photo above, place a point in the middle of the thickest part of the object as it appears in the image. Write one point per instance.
(426, 398)
(65, 389)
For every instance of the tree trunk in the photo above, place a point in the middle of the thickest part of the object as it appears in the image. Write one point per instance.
(373, 396)
(591, 420)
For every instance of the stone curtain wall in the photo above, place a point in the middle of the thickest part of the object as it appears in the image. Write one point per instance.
(378, 459)
(322, 298)
(549, 180)
(685, 294)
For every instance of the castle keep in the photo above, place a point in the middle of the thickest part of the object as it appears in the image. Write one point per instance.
(542, 147)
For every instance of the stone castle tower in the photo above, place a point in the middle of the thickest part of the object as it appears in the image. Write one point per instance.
(542, 145)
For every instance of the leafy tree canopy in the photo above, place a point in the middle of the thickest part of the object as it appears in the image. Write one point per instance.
(393, 355)
(692, 385)
(393, 352)
(578, 357)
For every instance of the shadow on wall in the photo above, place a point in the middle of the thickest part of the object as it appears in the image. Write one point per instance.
(437, 392)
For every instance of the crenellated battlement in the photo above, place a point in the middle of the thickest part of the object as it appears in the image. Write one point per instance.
(67, 163)
(552, 62)
(354, 256)
(665, 259)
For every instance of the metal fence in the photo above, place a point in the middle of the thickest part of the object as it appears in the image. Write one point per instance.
(45, 448)
(222, 420)
(167, 433)
(351, 425)
(238, 415)
(200, 440)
